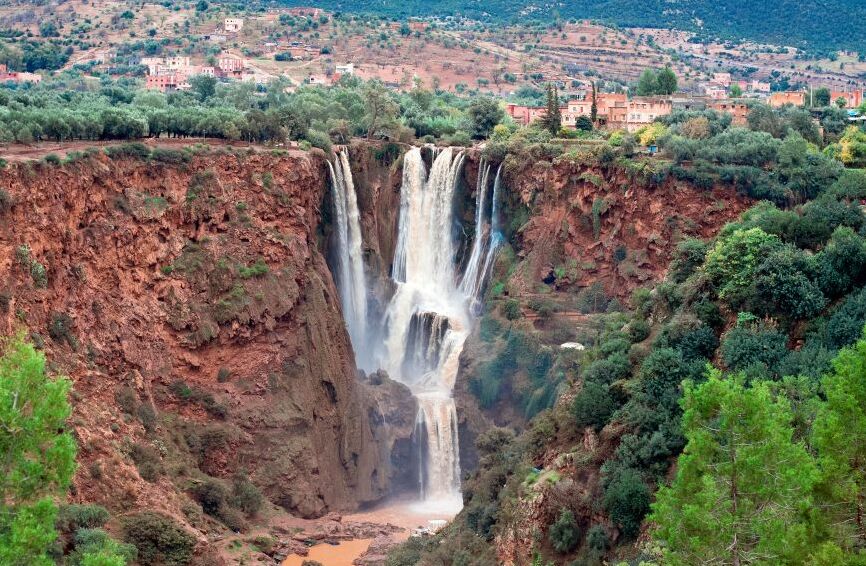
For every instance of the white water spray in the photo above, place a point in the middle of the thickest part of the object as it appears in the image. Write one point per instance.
(351, 281)
(427, 319)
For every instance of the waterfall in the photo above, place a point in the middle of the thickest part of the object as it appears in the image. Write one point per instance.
(470, 276)
(487, 243)
(427, 320)
(351, 281)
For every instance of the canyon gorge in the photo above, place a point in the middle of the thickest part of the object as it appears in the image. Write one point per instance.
(307, 320)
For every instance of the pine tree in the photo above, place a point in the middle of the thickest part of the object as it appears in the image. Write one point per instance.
(38, 461)
(741, 481)
(593, 111)
(552, 120)
(839, 435)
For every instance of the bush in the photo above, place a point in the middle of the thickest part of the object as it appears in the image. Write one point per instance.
(211, 494)
(159, 539)
(593, 406)
(564, 534)
(638, 330)
(744, 347)
(133, 150)
(511, 309)
(688, 257)
(147, 415)
(607, 371)
(52, 159)
(126, 399)
(597, 540)
(172, 156)
(147, 460)
(627, 501)
(93, 547)
(6, 201)
(72, 517)
(245, 495)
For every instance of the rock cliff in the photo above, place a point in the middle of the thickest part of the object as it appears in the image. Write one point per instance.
(189, 301)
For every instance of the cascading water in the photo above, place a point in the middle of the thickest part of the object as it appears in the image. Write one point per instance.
(486, 243)
(351, 281)
(427, 319)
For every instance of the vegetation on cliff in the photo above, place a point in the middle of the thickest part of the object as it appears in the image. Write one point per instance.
(727, 364)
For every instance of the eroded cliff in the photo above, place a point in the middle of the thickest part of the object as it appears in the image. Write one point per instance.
(187, 298)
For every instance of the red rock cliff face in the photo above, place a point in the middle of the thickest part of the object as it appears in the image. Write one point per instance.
(198, 288)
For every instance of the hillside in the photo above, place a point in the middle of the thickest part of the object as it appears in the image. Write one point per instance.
(790, 22)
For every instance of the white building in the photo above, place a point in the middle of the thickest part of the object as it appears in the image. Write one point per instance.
(233, 25)
(347, 69)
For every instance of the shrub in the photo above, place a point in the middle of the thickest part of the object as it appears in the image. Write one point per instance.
(597, 540)
(6, 201)
(52, 159)
(126, 399)
(627, 501)
(147, 415)
(245, 495)
(607, 371)
(688, 257)
(564, 533)
(72, 517)
(60, 329)
(638, 330)
(744, 347)
(255, 270)
(159, 539)
(147, 460)
(511, 309)
(93, 547)
(593, 406)
(173, 156)
(223, 375)
(133, 150)
(211, 494)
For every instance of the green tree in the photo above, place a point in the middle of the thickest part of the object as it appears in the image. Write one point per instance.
(736, 91)
(821, 96)
(381, 110)
(732, 263)
(593, 110)
(564, 533)
(204, 86)
(647, 84)
(552, 120)
(741, 481)
(484, 114)
(666, 81)
(38, 458)
(839, 436)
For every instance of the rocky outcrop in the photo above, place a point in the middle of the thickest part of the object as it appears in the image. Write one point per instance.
(193, 285)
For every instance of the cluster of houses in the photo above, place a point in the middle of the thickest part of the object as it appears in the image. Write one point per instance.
(167, 74)
(618, 111)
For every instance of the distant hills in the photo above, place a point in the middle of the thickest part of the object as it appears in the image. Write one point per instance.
(814, 25)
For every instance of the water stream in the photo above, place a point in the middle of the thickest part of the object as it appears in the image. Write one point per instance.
(428, 317)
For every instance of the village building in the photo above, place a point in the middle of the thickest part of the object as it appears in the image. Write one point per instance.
(779, 99)
(348, 69)
(643, 110)
(233, 25)
(739, 111)
(852, 99)
(163, 83)
(230, 64)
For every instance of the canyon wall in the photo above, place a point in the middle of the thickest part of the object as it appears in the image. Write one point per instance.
(189, 301)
